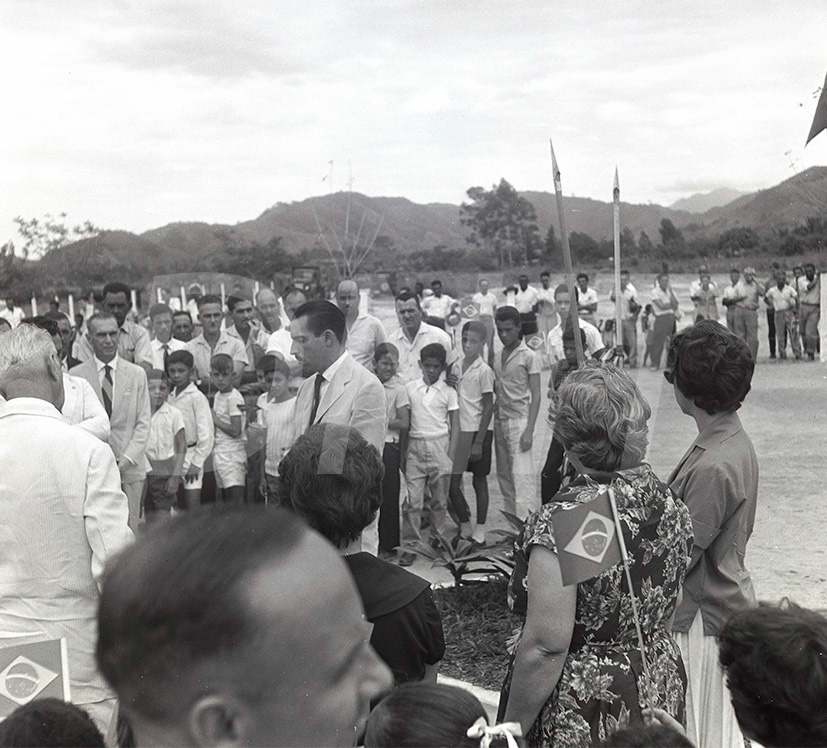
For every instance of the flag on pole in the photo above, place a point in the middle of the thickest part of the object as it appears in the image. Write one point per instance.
(820, 118)
(34, 670)
(587, 542)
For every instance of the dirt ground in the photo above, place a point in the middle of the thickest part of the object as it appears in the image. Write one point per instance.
(786, 417)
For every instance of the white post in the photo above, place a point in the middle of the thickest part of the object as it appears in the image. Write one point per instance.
(34, 306)
(223, 297)
(822, 327)
(256, 286)
(618, 309)
(183, 298)
(72, 309)
(133, 297)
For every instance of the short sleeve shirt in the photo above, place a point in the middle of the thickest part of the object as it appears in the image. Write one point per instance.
(202, 353)
(362, 338)
(165, 424)
(396, 397)
(226, 405)
(782, 298)
(409, 349)
(476, 381)
(431, 405)
(277, 418)
(511, 382)
(524, 301)
(437, 307)
(594, 341)
(487, 303)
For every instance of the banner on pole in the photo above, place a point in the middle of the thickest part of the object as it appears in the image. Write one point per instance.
(34, 670)
(586, 538)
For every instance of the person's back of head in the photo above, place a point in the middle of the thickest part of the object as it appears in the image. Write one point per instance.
(47, 723)
(424, 714)
(646, 736)
(775, 660)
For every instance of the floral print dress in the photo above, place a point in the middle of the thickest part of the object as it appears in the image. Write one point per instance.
(602, 683)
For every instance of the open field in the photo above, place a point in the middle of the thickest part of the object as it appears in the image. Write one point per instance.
(786, 417)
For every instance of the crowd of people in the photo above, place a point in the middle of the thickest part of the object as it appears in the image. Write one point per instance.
(214, 512)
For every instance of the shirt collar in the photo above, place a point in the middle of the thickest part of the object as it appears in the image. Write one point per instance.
(30, 406)
(113, 364)
(719, 431)
(331, 370)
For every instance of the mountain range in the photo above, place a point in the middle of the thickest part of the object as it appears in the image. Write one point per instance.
(412, 226)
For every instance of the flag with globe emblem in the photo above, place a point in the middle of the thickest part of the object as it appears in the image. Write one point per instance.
(30, 671)
(586, 538)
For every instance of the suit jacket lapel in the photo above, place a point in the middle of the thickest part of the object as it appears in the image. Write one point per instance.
(335, 388)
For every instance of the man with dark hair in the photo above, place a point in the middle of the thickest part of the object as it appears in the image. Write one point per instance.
(413, 335)
(214, 340)
(182, 326)
(247, 328)
(438, 305)
(587, 300)
(809, 294)
(258, 639)
(594, 342)
(162, 343)
(67, 337)
(526, 299)
(50, 723)
(64, 515)
(342, 390)
(133, 340)
(122, 389)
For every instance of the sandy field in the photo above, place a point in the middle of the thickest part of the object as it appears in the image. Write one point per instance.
(786, 418)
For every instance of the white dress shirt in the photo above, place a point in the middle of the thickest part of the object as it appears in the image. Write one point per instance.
(158, 350)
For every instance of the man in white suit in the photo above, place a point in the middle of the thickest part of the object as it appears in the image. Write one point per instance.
(63, 516)
(123, 390)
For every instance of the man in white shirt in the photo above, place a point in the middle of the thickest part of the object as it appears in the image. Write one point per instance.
(214, 340)
(630, 308)
(271, 310)
(438, 306)
(162, 343)
(547, 316)
(784, 301)
(64, 517)
(809, 294)
(364, 332)
(695, 286)
(594, 341)
(13, 314)
(247, 328)
(133, 340)
(525, 301)
(587, 300)
(486, 302)
(413, 335)
(730, 296)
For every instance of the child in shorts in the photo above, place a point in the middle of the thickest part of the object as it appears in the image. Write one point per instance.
(230, 452)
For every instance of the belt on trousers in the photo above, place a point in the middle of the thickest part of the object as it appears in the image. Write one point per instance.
(190, 446)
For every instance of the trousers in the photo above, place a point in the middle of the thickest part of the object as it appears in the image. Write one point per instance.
(428, 462)
(515, 469)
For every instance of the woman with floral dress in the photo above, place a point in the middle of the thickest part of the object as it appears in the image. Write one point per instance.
(576, 674)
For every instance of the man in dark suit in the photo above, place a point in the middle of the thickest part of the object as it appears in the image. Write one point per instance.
(67, 337)
(122, 388)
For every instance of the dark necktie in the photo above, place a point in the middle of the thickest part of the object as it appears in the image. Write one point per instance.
(165, 346)
(317, 389)
(106, 389)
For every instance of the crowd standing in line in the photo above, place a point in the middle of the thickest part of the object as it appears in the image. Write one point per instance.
(366, 434)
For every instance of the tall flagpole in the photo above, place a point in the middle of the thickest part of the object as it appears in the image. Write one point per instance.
(558, 190)
(618, 307)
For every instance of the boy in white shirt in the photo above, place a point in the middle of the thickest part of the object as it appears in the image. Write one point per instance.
(275, 415)
(229, 455)
(475, 395)
(165, 450)
(431, 445)
(198, 425)
(385, 363)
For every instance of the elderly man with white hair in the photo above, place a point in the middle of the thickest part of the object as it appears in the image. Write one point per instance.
(63, 516)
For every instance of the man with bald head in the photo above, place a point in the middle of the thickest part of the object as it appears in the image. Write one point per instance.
(64, 516)
(364, 332)
(258, 639)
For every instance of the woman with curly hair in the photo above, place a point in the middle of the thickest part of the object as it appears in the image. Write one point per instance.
(711, 369)
(577, 675)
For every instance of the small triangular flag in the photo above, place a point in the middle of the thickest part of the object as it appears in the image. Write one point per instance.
(820, 118)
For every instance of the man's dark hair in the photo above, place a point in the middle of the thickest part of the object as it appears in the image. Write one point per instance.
(386, 349)
(116, 287)
(583, 276)
(646, 736)
(775, 660)
(711, 366)
(564, 288)
(233, 301)
(323, 315)
(182, 313)
(270, 363)
(57, 316)
(477, 327)
(176, 598)
(156, 310)
(181, 357)
(809, 265)
(434, 351)
(50, 723)
(4, 321)
(333, 479)
(436, 281)
(545, 273)
(43, 322)
(624, 272)
(508, 314)
(209, 298)
(407, 296)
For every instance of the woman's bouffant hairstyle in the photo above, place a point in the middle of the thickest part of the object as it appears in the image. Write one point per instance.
(775, 659)
(600, 416)
(711, 366)
(420, 714)
(333, 479)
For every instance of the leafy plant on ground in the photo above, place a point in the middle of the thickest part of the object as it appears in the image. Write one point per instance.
(460, 557)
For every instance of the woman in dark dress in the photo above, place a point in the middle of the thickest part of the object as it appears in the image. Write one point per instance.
(576, 675)
(333, 478)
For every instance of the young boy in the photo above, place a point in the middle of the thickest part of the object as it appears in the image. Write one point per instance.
(385, 364)
(475, 393)
(229, 456)
(198, 426)
(165, 450)
(431, 446)
(275, 416)
(517, 373)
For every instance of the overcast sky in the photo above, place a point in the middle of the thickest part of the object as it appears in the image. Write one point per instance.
(137, 114)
